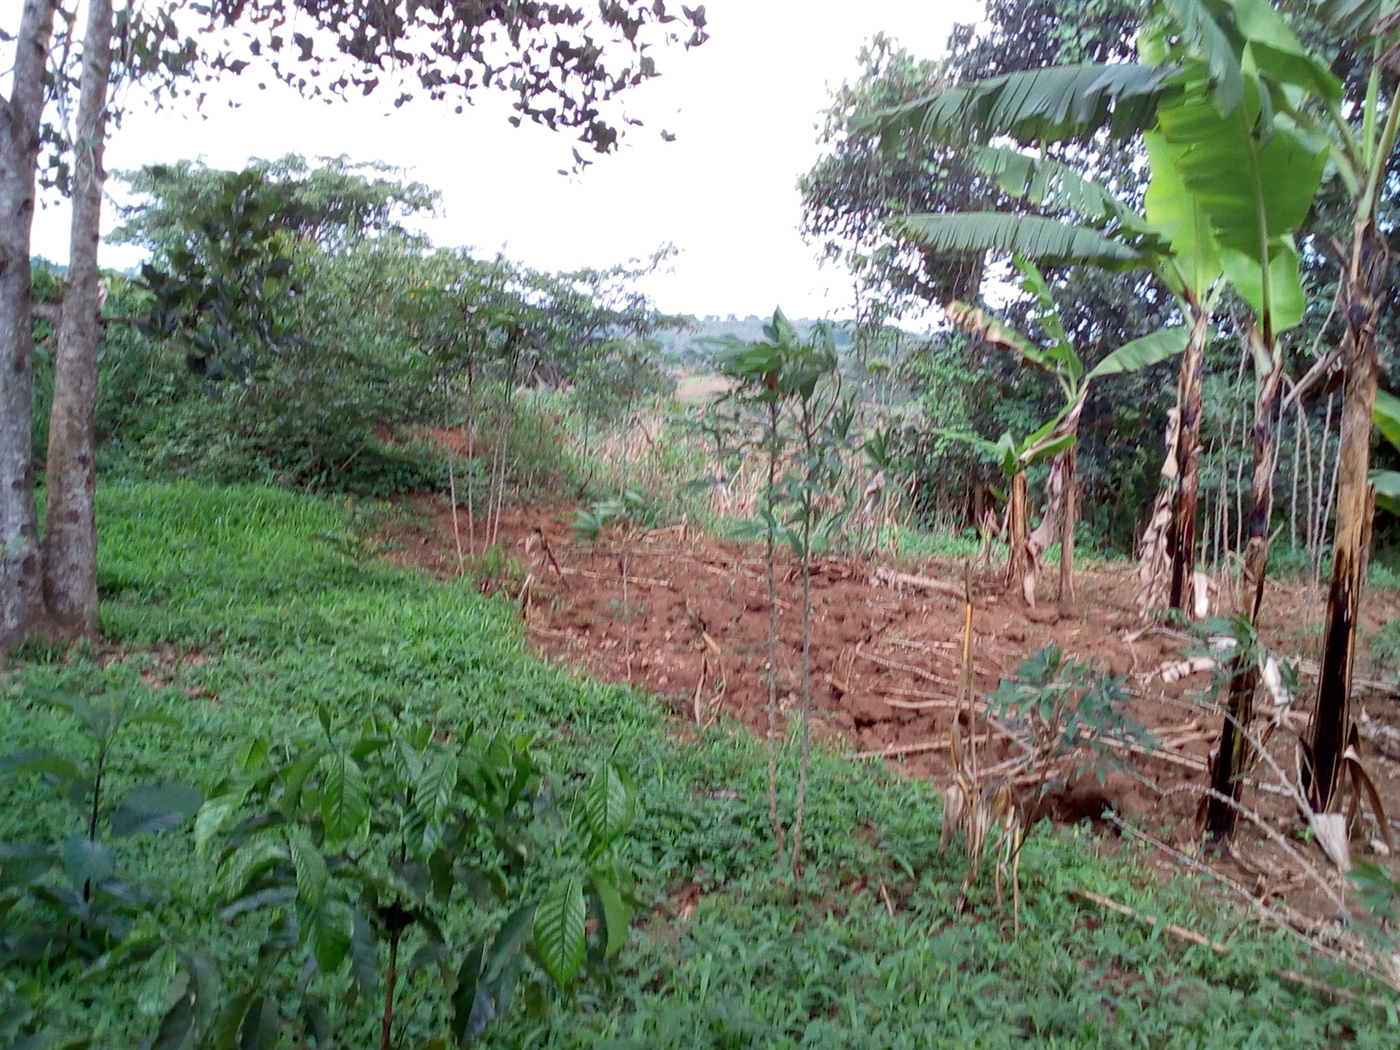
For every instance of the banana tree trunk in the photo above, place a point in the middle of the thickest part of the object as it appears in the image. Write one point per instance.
(1059, 512)
(1018, 564)
(21, 584)
(1069, 502)
(1183, 534)
(70, 529)
(1331, 719)
(1167, 553)
(1233, 756)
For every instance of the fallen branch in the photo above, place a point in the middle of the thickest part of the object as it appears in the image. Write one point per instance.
(897, 750)
(885, 577)
(644, 581)
(1379, 686)
(1176, 931)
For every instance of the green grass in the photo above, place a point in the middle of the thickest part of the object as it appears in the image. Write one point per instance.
(234, 597)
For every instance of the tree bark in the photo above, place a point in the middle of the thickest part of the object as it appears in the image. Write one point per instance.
(1018, 563)
(1167, 552)
(21, 582)
(1183, 532)
(1233, 755)
(70, 520)
(1331, 720)
(1069, 499)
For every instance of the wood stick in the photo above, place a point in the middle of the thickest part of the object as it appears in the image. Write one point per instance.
(1176, 931)
(897, 750)
(890, 578)
(644, 581)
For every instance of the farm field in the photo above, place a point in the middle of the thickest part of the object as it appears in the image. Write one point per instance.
(887, 660)
(894, 541)
(228, 611)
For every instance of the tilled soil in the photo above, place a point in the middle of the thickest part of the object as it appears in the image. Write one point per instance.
(689, 623)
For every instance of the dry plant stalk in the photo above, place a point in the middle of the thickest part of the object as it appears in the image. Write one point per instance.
(707, 709)
(978, 801)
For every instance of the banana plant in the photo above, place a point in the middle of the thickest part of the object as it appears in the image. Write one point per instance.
(1387, 482)
(1233, 137)
(1361, 133)
(1062, 362)
(1227, 117)
(1088, 225)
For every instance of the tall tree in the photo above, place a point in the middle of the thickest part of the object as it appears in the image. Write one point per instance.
(546, 53)
(21, 586)
(70, 517)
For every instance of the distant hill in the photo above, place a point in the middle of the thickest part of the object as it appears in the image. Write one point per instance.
(690, 343)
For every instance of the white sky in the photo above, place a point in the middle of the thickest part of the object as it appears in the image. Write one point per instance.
(744, 107)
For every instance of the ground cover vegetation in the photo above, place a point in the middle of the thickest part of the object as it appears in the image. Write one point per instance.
(283, 787)
(234, 627)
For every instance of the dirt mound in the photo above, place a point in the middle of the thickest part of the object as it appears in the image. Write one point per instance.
(690, 625)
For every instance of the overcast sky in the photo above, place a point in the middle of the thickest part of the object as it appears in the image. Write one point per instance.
(744, 109)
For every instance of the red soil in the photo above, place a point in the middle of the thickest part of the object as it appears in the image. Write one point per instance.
(876, 653)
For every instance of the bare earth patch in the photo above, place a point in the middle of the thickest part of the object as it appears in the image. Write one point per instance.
(885, 663)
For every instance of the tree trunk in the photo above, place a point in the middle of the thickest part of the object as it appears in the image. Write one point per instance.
(1018, 564)
(70, 519)
(1331, 721)
(1183, 533)
(1233, 755)
(21, 578)
(1069, 499)
(1167, 552)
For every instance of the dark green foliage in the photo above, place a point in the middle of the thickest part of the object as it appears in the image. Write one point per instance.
(1065, 706)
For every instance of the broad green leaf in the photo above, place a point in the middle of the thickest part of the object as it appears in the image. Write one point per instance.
(436, 785)
(1387, 483)
(1142, 352)
(224, 1035)
(617, 913)
(508, 942)
(262, 1026)
(559, 929)
(155, 807)
(1034, 236)
(177, 1025)
(1255, 189)
(1387, 416)
(1178, 215)
(472, 1009)
(364, 954)
(344, 799)
(608, 804)
(86, 860)
(332, 933)
(310, 867)
(35, 760)
(214, 814)
(1203, 37)
(1287, 300)
(1058, 104)
(1052, 185)
(294, 781)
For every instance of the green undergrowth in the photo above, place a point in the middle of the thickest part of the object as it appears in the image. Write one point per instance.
(235, 611)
